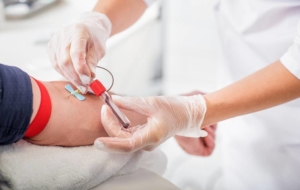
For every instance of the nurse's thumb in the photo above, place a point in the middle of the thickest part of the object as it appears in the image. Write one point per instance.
(135, 104)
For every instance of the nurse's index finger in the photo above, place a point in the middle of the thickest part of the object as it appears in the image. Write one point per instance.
(78, 55)
(116, 144)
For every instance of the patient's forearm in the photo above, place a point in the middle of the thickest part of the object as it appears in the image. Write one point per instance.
(271, 86)
(74, 122)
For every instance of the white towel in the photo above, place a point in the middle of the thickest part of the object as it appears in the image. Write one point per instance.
(27, 166)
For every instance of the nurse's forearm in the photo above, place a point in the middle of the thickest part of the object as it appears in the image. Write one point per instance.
(271, 86)
(122, 13)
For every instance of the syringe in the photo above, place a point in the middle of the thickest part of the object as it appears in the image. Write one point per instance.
(100, 91)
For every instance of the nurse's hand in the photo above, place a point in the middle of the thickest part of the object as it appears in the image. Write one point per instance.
(199, 146)
(76, 49)
(166, 116)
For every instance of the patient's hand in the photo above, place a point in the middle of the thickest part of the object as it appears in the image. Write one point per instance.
(198, 146)
(74, 122)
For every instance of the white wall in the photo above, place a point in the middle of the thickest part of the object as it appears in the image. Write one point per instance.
(191, 46)
(191, 52)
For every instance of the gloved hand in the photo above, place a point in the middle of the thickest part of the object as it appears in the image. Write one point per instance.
(75, 50)
(198, 146)
(167, 116)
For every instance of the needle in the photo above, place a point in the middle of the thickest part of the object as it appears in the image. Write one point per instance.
(74, 92)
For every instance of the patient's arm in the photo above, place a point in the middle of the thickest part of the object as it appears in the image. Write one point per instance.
(72, 122)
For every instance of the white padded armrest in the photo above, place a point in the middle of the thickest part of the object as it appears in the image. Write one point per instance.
(140, 179)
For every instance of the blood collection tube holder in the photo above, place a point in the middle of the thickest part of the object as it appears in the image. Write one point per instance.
(100, 91)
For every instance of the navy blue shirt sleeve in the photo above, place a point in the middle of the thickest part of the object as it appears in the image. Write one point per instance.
(16, 100)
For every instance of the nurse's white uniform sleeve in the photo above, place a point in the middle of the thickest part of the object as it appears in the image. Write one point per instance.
(149, 2)
(291, 59)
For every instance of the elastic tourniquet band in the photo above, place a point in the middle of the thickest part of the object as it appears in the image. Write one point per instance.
(43, 115)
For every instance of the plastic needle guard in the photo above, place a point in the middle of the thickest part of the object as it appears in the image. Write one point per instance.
(97, 87)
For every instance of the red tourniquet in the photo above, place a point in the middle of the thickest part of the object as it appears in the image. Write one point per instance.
(43, 115)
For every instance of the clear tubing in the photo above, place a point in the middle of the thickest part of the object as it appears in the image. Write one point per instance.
(118, 113)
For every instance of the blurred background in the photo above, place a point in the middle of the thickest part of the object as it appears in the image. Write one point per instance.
(172, 49)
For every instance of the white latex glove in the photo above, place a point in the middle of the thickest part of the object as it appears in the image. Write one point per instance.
(167, 116)
(76, 49)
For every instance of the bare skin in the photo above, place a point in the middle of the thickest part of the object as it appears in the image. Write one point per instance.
(266, 88)
(72, 122)
(122, 14)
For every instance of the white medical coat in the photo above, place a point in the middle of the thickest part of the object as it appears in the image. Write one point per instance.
(260, 150)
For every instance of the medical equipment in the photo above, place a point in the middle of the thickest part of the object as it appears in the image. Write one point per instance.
(42, 117)
(75, 93)
(100, 91)
(93, 28)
